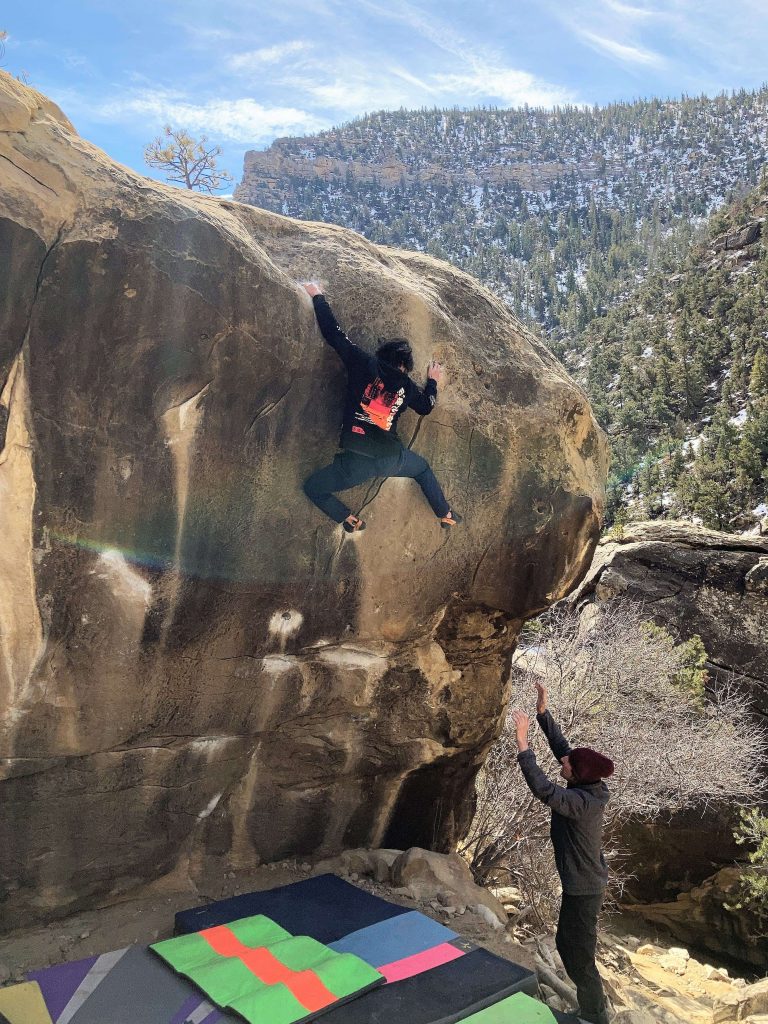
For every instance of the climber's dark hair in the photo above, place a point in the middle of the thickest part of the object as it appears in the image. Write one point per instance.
(396, 352)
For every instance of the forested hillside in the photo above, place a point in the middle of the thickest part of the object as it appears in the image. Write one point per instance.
(678, 375)
(565, 214)
(560, 212)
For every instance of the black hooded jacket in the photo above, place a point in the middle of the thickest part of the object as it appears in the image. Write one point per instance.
(577, 817)
(377, 393)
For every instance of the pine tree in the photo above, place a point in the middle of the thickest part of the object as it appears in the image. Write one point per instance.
(758, 378)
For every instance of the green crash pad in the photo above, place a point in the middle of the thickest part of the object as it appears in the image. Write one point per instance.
(516, 1009)
(261, 971)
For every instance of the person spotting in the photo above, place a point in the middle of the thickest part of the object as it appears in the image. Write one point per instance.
(378, 390)
(576, 833)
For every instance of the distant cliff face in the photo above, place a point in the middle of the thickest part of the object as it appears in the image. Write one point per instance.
(654, 158)
(560, 212)
(194, 661)
(269, 175)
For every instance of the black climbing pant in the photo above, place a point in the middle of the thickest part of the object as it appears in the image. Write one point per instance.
(576, 942)
(349, 469)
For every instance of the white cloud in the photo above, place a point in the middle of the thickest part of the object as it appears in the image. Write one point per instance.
(350, 89)
(473, 71)
(353, 97)
(631, 12)
(700, 45)
(623, 52)
(252, 60)
(428, 26)
(725, 43)
(419, 83)
(509, 86)
(240, 120)
(206, 37)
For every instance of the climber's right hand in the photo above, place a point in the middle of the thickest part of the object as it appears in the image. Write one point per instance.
(435, 371)
(311, 289)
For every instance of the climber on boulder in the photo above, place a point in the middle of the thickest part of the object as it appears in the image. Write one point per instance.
(576, 833)
(378, 390)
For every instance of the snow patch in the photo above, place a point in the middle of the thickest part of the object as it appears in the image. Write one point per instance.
(739, 419)
(693, 445)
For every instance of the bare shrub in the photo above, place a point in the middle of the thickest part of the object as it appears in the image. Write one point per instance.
(624, 687)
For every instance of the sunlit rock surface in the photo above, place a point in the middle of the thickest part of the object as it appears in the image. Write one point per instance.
(195, 662)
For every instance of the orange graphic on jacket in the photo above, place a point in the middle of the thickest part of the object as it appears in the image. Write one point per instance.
(380, 406)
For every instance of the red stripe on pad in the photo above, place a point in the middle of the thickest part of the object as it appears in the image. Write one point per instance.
(419, 962)
(305, 985)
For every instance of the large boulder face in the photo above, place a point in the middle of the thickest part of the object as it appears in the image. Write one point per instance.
(195, 662)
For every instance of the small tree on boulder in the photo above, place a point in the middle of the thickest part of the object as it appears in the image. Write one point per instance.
(188, 161)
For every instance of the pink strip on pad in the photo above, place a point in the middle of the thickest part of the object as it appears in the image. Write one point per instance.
(419, 962)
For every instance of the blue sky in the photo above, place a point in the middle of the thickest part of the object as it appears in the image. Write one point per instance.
(246, 72)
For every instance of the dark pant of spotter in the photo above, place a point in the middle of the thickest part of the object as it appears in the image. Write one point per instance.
(576, 943)
(349, 469)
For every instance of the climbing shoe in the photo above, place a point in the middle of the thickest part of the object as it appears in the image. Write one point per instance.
(353, 523)
(452, 519)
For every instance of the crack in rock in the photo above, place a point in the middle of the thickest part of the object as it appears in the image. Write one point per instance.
(268, 408)
(28, 174)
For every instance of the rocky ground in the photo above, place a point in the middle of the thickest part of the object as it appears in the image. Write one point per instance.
(656, 982)
(648, 981)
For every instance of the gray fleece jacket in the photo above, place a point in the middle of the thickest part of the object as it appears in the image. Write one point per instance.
(577, 817)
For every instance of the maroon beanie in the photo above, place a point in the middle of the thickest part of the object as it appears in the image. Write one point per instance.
(589, 766)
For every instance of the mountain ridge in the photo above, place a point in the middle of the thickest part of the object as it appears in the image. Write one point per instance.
(559, 212)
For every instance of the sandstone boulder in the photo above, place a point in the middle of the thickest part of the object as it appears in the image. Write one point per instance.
(375, 864)
(668, 985)
(702, 919)
(742, 1004)
(745, 236)
(427, 875)
(194, 662)
(696, 581)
